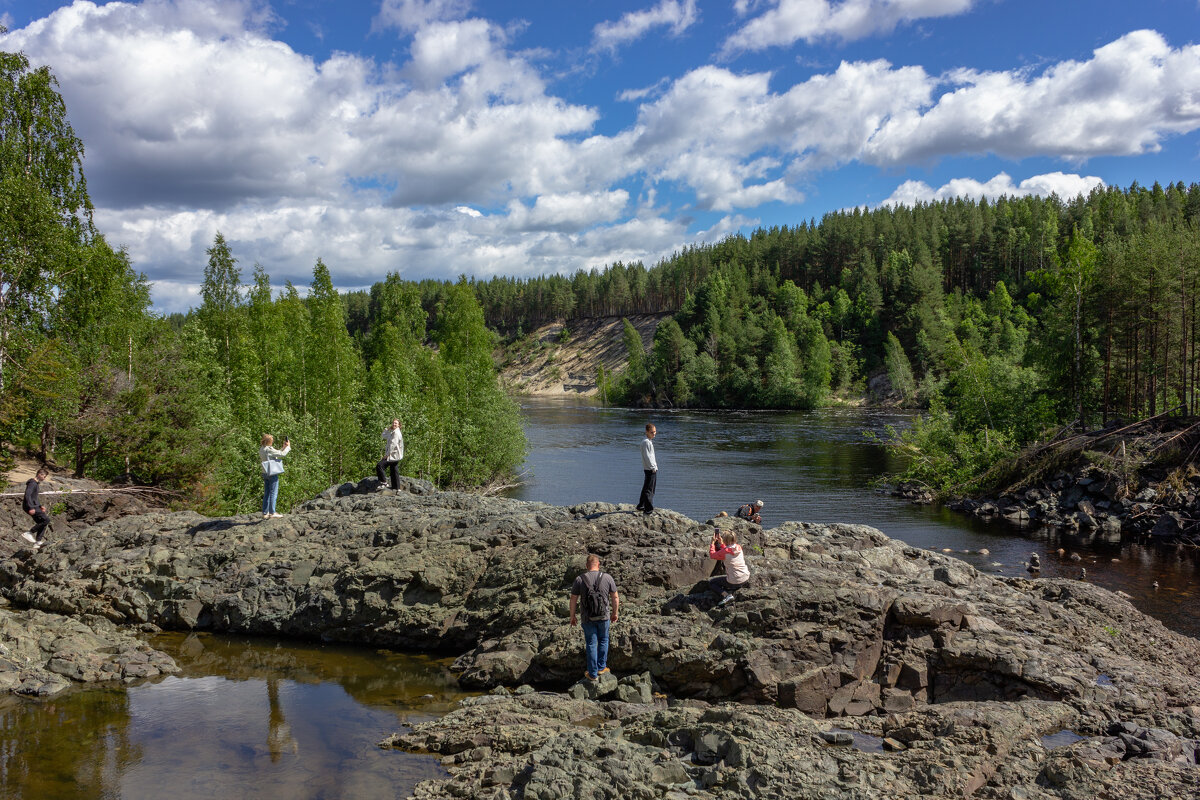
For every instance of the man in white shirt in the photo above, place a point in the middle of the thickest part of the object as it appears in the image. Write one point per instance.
(650, 467)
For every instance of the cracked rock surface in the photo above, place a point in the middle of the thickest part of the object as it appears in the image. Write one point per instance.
(959, 671)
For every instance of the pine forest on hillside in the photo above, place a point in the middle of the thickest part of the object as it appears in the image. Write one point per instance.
(1003, 318)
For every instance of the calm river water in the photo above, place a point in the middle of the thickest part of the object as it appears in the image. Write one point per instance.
(255, 718)
(815, 467)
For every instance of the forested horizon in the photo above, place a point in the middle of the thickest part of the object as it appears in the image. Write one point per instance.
(1003, 318)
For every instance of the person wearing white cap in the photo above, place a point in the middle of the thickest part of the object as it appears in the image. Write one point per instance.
(750, 512)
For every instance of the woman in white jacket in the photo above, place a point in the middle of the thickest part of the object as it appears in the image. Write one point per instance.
(393, 453)
(271, 462)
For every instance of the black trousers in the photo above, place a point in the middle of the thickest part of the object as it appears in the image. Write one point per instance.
(41, 521)
(646, 501)
(393, 470)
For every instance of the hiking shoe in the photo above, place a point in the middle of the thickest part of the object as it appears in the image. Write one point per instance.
(606, 669)
(590, 676)
(266, 516)
(28, 536)
(725, 599)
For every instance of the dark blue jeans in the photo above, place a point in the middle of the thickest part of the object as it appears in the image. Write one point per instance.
(595, 645)
(270, 492)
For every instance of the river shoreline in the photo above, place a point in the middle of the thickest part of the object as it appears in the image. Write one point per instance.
(840, 623)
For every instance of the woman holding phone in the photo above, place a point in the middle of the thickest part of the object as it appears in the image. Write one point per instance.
(271, 461)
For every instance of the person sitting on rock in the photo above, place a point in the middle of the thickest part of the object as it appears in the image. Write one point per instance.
(598, 591)
(725, 547)
(750, 512)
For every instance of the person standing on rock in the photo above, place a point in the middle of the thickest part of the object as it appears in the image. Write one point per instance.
(594, 596)
(724, 547)
(650, 467)
(33, 507)
(271, 460)
(393, 453)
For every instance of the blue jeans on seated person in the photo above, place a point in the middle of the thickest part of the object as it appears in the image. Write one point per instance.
(270, 493)
(595, 644)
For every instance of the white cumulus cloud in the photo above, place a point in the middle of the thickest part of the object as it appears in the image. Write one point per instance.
(411, 15)
(461, 157)
(1131, 94)
(786, 22)
(673, 14)
(1064, 185)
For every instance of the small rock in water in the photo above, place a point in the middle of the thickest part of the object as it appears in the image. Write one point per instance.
(1156, 584)
(985, 552)
(1116, 561)
(893, 745)
(947, 550)
(1076, 557)
(1083, 573)
(837, 737)
(1061, 552)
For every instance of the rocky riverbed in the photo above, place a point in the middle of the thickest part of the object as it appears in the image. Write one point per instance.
(1138, 480)
(959, 672)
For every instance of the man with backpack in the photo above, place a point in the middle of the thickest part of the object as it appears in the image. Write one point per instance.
(594, 594)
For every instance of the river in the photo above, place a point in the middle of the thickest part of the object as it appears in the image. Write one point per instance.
(817, 466)
(257, 718)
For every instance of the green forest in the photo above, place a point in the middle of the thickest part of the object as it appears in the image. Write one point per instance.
(1004, 319)
(91, 379)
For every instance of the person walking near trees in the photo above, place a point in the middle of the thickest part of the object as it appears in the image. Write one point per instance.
(598, 610)
(393, 453)
(650, 467)
(33, 507)
(271, 460)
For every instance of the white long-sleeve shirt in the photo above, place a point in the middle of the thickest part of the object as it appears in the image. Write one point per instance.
(648, 461)
(393, 445)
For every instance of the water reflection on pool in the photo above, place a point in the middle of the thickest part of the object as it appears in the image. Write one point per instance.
(247, 718)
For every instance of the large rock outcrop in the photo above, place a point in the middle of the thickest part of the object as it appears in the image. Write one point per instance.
(960, 674)
(43, 654)
(542, 746)
(839, 621)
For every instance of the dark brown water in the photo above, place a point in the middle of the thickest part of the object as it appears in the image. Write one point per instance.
(247, 718)
(818, 467)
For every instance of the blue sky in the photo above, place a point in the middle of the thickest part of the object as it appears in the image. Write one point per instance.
(440, 137)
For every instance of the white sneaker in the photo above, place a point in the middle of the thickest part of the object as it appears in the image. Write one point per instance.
(28, 536)
(725, 599)
(277, 515)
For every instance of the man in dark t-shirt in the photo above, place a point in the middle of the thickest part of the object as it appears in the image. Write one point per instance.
(33, 507)
(595, 625)
(751, 512)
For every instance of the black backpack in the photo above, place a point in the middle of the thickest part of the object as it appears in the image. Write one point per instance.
(595, 599)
